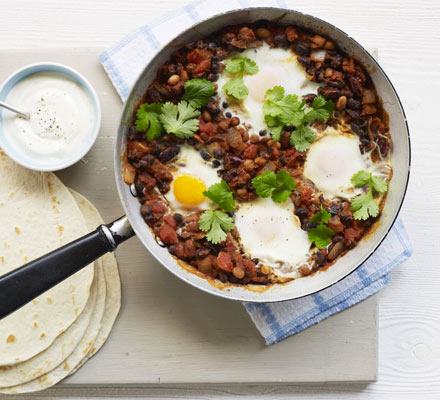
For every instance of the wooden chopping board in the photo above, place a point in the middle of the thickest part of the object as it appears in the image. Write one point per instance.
(167, 331)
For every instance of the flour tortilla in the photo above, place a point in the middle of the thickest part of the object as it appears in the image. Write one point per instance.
(101, 322)
(63, 345)
(38, 214)
(113, 282)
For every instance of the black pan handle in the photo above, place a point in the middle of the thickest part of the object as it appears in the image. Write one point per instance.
(31, 280)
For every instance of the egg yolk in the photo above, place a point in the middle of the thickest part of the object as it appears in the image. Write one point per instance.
(189, 190)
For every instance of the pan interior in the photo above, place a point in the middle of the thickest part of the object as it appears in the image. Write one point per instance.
(400, 158)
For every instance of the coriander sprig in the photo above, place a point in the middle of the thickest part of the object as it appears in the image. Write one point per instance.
(198, 92)
(364, 205)
(217, 223)
(279, 186)
(179, 119)
(280, 110)
(239, 66)
(321, 234)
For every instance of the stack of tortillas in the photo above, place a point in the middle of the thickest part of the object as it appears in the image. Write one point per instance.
(55, 334)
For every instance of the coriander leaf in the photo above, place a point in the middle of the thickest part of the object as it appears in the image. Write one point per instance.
(236, 88)
(360, 178)
(147, 120)
(322, 216)
(239, 65)
(250, 67)
(180, 119)
(275, 127)
(379, 185)
(279, 186)
(215, 223)
(319, 102)
(198, 92)
(301, 138)
(234, 65)
(221, 194)
(321, 235)
(274, 94)
(364, 206)
(265, 183)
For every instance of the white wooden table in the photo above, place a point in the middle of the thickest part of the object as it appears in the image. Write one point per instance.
(407, 34)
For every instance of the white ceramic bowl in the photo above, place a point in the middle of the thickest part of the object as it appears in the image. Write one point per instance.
(75, 156)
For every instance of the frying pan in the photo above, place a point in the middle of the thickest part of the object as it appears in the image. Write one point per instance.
(24, 284)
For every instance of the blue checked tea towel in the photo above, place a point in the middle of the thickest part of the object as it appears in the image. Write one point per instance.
(276, 321)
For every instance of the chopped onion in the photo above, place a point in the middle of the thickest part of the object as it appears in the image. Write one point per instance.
(129, 174)
(234, 139)
(368, 97)
(318, 55)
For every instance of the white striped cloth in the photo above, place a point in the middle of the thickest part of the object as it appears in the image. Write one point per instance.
(124, 62)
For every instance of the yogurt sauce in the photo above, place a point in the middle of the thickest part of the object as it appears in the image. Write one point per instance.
(61, 117)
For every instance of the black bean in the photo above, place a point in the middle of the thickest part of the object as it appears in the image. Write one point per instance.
(335, 208)
(149, 219)
(302, 212)
(178, 218)
(205, 155)
(215, 67)
(263, 132)
(352, 113)
(309, 97)
(280, 39)
(225, 104)
(146, 160)
(163, 187)
(319, 258)
(289, 128)
(307, 226)
(213, 108)
(218, 154)
(384, 146)
(202, 252)
(355, 85)
(216, 163)
(345, 219)
(304, 61)
(353, 104)
(191, 141)
(282, 159)
(302, 50)
(235, 160)
(358, 130)
(169, 153)
(336, 61)
(231, 213)
(212, 77)
(228, 115)
(337, 238)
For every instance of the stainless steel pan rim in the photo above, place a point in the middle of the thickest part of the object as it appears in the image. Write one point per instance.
(275, 292)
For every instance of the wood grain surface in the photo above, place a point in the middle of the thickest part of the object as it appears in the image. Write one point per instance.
(407, 33)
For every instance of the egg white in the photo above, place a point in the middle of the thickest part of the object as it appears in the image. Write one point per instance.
(334, 158)
(277, 67)
(272, 233)
(190, 162)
